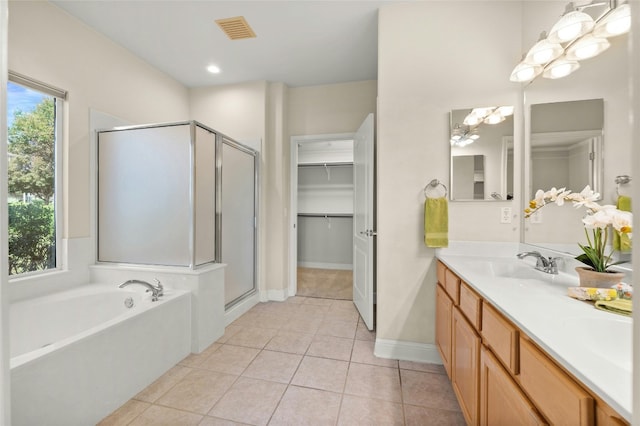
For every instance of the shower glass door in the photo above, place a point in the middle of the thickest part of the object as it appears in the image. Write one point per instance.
(238, 207)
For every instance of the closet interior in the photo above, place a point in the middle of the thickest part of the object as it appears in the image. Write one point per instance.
(325, 219)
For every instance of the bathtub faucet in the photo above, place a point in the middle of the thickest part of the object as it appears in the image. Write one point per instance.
(156, 290)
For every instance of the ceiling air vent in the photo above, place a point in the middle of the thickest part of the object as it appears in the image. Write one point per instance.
(236, 28)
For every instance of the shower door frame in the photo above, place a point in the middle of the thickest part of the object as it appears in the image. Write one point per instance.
(222, 139)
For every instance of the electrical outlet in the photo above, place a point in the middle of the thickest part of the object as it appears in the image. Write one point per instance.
(536, 217)
(505, 215)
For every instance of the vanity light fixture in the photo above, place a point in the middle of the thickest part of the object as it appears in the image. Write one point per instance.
(575, 37)
(573, 24)
(462, 136)
(615, 23)
(560, 68)
(544, 51)
(587, 47)
(487, 115)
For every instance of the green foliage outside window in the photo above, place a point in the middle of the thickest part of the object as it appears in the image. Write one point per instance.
(31, 174)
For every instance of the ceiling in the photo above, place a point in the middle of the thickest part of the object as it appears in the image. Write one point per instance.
(299, 43)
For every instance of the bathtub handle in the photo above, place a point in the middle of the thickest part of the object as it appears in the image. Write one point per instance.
(159, 287)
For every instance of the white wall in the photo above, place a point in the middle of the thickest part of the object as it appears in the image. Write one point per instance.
(433, 57)
(47, 44)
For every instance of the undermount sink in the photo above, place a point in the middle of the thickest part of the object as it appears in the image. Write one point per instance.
(518, 270)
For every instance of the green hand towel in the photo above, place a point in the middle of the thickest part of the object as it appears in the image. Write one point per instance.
(616, 306)
(436, 222)
(622, 242)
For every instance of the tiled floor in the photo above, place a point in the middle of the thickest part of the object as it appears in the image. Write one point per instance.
(305, 361)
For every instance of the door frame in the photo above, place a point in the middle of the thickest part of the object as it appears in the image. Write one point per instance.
(292, 288)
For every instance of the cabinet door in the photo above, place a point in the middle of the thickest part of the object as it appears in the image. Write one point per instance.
(501, 400)
(465, 361)
(444, 308)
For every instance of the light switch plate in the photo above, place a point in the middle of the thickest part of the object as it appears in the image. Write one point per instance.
(505, 215)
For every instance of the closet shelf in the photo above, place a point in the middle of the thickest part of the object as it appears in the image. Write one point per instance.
(345, 164)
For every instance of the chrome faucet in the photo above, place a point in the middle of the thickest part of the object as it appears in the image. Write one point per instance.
(156, 290)
(544, 264)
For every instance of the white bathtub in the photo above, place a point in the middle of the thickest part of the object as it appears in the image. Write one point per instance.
(79, 354)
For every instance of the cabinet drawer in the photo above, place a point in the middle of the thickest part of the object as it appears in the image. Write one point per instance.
(559, 399)
(470, 305)
(501, 336)
(441, 272)
(452, 285)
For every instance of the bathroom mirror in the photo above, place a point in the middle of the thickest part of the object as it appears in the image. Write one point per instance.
(576, 132)
(481, 142)
(566, 145)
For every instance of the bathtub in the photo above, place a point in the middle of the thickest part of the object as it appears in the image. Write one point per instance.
(79, 354)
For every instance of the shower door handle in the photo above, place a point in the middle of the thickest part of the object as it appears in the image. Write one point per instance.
(369, 233)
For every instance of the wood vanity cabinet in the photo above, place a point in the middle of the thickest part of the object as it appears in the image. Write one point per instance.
(499, 375)
(502, 402)
(465, 373)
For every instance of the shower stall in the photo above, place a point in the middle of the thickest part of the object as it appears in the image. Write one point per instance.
(178, 195)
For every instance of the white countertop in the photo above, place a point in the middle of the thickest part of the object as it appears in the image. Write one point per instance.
(595, 346)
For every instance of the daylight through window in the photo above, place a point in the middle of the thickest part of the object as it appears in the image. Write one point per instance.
(32, 176)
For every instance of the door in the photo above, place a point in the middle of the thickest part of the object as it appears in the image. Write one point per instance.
(363, 221)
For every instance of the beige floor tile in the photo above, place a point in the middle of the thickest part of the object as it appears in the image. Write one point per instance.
(215, 421)
(194, 360)
(296, 299)
(168, 380)
(230, 359)
(372, 381)
(420, 416)
(249, 401)
(321, 373)
(302, 323)
(428, 390)
(363, 333)
(331, 347)
(343, 315)
(273, 366)
(302, 406)
(229, 331)
(165, 416)
(422, 366)
(356, 410)
(363, 353)
(331, 327)
(198, 391)
(343, 305)
(252, 337)
(290, 341)
(125, 414)
(248, 319)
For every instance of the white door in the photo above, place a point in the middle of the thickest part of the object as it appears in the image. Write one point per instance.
(363, 221)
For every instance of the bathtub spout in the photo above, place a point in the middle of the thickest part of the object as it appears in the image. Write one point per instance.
(156, 290)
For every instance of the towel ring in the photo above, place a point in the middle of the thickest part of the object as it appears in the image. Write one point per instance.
(435, 183)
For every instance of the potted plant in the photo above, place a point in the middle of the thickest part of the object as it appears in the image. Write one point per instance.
(600, 222)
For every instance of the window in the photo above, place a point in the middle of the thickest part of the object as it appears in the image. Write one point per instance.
(33, 170)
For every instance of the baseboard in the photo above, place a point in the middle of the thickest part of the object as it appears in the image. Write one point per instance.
(320, 265)
(279, 295)
(234, 312)
(407, 351)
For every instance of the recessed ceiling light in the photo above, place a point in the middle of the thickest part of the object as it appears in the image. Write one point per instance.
(213, 69)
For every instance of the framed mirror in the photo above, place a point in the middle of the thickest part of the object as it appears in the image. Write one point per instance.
(481, 158)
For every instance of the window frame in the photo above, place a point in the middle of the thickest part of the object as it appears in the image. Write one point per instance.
(60, 97)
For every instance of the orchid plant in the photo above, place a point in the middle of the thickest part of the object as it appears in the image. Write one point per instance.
(599, 221)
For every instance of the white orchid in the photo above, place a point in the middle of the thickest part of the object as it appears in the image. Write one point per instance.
(599, 219)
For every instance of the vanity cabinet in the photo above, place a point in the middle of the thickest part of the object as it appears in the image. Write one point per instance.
(499, 375)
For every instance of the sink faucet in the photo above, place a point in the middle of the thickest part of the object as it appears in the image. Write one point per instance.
(156, 290)
(548, 265)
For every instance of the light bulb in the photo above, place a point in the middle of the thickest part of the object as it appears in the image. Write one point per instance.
(587, 47)
(560, 68)
(571, 26)
(616, 23)
(213, 69)
(524, 72)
